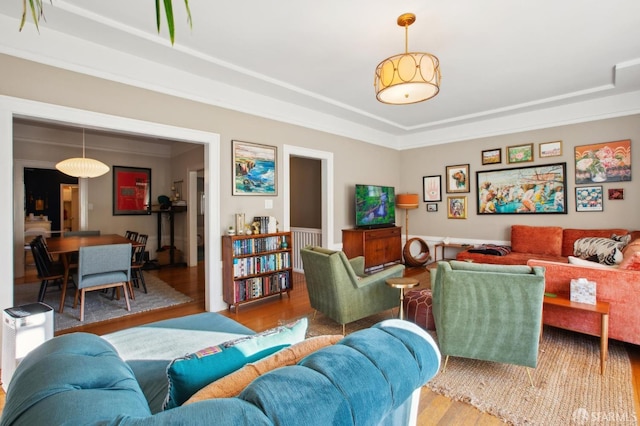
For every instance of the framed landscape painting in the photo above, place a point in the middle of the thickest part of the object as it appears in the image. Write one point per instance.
(492, 156)
(523, 190)
(550, 149)
(603, 162)
(254, 169)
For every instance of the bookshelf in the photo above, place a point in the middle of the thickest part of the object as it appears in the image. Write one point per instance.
(256, 266)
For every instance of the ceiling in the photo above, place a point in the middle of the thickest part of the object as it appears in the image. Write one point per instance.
(507, 65)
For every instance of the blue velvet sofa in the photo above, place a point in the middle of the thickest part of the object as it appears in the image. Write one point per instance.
(370, 377)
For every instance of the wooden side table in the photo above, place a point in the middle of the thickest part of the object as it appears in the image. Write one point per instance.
(601, 308)
(402, 283)
(442, 246)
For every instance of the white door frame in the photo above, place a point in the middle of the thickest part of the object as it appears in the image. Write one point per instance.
(326, 159)
(11, 107)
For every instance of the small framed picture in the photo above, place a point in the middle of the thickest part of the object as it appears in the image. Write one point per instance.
(520, 153)
(432, 207)
(458, 178)
(589, 199)
(550, 149)
(431, 188)
(457, 207)
(616, 194)
(492, 156)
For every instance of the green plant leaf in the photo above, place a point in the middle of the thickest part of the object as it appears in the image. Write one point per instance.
(186, 5)
(158, 15)
(168, 9)
(36, 12)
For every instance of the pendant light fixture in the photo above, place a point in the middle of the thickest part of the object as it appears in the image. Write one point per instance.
(82, 167)
(409, 77)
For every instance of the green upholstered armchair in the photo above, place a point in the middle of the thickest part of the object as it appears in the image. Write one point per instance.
(339, 288)
(489, 312)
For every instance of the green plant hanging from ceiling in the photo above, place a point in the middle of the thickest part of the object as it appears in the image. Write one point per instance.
(37, 12)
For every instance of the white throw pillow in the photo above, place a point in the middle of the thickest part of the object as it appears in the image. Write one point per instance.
(583, 262)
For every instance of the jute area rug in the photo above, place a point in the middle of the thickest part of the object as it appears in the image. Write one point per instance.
(99, 306)
(569, 389)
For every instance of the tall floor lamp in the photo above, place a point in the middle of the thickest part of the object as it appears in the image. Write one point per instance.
(408, 202)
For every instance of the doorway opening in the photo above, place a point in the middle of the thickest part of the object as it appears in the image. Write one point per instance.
(69, 208)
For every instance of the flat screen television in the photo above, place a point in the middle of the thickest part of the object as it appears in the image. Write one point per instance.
(375, 206)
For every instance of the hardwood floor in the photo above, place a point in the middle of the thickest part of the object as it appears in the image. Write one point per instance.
(434, 409)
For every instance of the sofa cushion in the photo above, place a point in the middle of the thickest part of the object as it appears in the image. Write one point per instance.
(232, 384)
(189, 374)
(632, 247)
(631, 262)
(569, 236)
(537, 239)
(584, 262)
(607, 251)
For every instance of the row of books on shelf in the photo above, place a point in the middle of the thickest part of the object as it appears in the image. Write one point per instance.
(267, 224)
(261, 264)
(259, 245)
(253, 288)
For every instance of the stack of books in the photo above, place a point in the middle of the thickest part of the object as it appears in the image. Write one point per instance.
(268, 224)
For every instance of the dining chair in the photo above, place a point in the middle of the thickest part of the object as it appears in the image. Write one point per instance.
(131, 235)
(49, 272)
(101, 267)
(29, 235)
(137, 277)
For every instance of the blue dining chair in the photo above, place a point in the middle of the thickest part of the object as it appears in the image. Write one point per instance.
(101, 267)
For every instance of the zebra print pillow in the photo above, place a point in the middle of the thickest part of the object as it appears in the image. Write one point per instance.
(603, 250)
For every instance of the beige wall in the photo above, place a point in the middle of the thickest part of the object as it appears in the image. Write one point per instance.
(402, 169)
(25, 79)
(417, 163)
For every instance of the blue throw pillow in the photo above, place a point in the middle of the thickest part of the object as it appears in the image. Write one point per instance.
(189, 374)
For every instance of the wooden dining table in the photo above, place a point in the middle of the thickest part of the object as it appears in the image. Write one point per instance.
(67, 246)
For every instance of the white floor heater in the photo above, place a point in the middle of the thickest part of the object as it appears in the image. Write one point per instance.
(24, 328)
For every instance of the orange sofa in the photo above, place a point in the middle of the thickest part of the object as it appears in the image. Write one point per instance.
(551, 243)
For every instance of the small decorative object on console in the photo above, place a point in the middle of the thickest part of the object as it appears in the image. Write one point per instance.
(583, 291)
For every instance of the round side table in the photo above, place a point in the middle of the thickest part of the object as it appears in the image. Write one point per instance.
(402, 283)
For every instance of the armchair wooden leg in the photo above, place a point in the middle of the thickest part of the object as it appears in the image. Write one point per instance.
(315, 311)
(343, 329)
(444, 367)
(530, 378)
